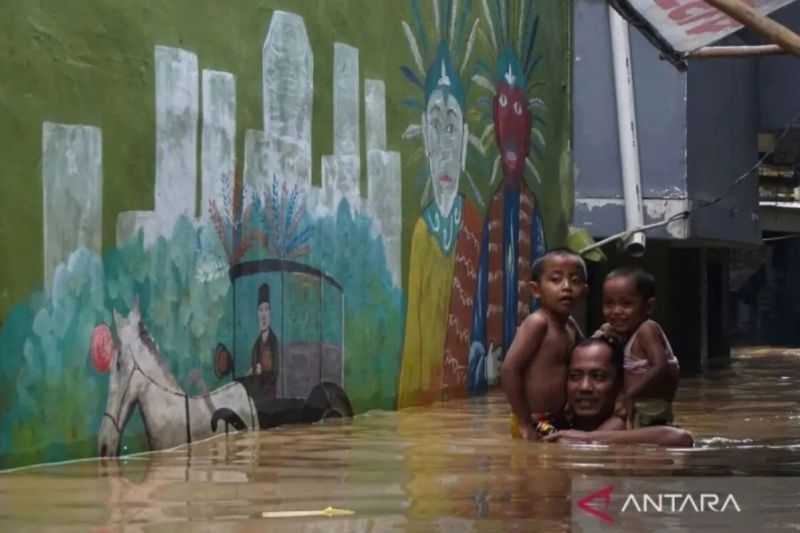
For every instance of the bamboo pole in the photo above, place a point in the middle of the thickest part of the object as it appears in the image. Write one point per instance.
(776, 33)
(736, 51)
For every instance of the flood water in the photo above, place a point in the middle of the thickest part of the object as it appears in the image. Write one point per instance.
(450, 467)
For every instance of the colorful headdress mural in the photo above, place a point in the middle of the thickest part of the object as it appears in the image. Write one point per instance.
(512, 26)
(440, 62)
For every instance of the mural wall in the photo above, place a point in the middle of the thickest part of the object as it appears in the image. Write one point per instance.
(218, 221)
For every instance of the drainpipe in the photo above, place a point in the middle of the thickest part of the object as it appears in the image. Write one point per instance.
(633, 243)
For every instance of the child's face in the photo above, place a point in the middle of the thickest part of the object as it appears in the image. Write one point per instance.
(561, 286)
(624, 308)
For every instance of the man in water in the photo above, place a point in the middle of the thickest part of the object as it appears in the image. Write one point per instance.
(593, 381)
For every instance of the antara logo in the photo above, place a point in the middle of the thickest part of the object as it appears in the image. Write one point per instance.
(603, 494)
(679, 503)
(598, 503)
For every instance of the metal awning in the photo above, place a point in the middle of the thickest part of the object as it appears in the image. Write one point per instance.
(678, 27)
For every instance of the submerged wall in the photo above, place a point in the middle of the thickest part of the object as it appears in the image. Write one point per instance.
(206, 211)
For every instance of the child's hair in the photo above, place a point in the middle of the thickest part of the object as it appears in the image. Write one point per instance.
(538, 265)
(617, 349)
(644, 281)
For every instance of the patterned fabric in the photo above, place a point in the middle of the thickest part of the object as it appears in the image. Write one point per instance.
(512, 240)
(462, 301)
(438, 318)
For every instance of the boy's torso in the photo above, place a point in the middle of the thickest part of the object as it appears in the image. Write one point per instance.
(546, 376)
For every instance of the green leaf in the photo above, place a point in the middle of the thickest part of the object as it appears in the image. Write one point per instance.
(578, 239)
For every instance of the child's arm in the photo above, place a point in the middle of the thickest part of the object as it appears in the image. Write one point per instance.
(651, 345)
(523, 349)
(603, 331)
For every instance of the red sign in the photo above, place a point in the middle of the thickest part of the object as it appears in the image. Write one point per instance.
(691, 24)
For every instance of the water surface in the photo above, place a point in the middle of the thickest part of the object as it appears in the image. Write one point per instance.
(449, 467)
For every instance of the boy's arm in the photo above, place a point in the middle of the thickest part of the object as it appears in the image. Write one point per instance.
(523, 349)
(652, 346)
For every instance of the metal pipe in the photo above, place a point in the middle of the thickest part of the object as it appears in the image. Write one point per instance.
(737, 51)
(776, 33)
(634, 243)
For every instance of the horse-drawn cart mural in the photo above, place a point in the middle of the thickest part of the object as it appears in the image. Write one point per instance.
(139, 378)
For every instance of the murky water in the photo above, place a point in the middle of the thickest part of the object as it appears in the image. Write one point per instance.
(449, 467)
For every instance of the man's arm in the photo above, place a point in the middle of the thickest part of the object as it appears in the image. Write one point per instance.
(523, 349)
(659, 435)
(651, 343)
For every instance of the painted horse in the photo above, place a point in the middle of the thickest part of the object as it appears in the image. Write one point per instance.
(138, 377)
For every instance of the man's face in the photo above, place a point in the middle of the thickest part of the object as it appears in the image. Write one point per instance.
(443, 126)
(592, 381)
(512, 126)
(561, 285)
(264, 316)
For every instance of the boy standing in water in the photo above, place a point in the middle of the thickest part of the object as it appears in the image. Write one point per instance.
(651, 368)
(535, 368)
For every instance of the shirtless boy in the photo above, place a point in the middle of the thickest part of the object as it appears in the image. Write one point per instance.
(535, 368)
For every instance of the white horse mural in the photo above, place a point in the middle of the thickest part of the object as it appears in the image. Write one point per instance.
(138, 377)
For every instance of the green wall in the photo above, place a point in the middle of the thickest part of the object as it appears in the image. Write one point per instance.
(92, 63)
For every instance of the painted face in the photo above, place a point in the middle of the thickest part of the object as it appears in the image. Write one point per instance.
(561, 285)
(264, 316)
(512, 126)
(444, 131)
(592, 381)
(623, 307)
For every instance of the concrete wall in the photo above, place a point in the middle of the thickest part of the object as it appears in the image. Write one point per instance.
(697, 133)
(722, 145)
(661, 122)
(778, 79)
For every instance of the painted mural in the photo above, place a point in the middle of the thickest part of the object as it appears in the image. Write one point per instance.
(444, 246)
(513, 233)
(468, 271)
(204, 266)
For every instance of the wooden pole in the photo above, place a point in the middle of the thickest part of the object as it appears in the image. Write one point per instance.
(775, 32)
(736, 51)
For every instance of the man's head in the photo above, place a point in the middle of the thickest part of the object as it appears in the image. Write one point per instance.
(594, 379)
(264, 309)
(559, 280)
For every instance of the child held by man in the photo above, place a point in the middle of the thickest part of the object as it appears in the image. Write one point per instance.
(651, 368)
(535, 368)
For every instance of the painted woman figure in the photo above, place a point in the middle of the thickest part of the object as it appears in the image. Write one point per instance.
(444, 246)
(264, 357)
(513, 236)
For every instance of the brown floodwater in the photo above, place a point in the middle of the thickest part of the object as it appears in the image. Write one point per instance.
(449, 467)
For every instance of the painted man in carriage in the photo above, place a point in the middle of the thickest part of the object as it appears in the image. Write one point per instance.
(264, 356)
